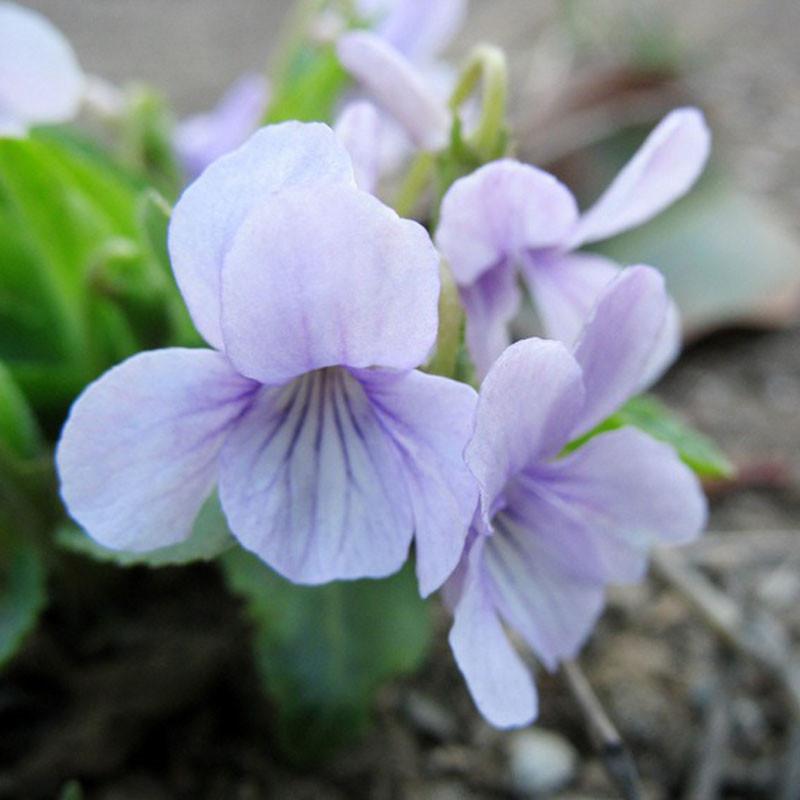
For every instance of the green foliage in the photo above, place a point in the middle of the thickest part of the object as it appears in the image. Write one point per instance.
(323, 651)
(20, 437)
(80, 287)
(651, 416)
(309, 86)
(22, 591)
(210, 537)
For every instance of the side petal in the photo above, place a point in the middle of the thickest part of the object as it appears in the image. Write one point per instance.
(498, 212)
(359, 128)
(620, 341)
(313, 484)
(396, 86)
(489, 305)
(210, 211)
(551, 607)
(430, 419)
(138, 454)
(630, 490)
(203, 138)
(564, 288)
(526, 410)
(326, 277)
(498, 680)
(664, 168)
(40, 80)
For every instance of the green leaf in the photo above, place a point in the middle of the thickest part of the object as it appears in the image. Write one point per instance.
(651, 416)
(19, 431)
(80, 288)
(309, 85)
(22, 591)
(323, 651)
(210, 537)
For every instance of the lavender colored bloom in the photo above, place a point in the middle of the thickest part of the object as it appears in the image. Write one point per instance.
(203, 138)
(40, 80)
(419, 29)
(397, 86)
(329, 450)
(553, 530)
(509, 219)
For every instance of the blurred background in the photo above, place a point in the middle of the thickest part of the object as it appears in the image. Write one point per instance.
(159, 699)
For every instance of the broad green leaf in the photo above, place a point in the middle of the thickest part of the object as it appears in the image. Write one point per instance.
(80, 288)
(651, 416)
(323, 651)
(22, 591)
(210, 537)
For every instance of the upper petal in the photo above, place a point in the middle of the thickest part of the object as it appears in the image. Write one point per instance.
(499, 682)
(138, 454)
(618, 343)
(311, 481)
(40, 80)
(324, 277)
(396, 86)
(211, 210)
(499, 211)
(663, 169)
(430, 419)
(203, 138)
(527, 407)
(565, 287)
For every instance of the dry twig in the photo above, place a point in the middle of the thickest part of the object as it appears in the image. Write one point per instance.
(612, 749)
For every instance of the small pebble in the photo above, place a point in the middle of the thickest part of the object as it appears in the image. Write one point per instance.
(540, 761)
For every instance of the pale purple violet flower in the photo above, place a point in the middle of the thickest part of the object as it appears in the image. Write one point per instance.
(397, 86)
(509, 219)
(203, 138)
(553, 530)
(40, 80)
(329, 450)
(419, 29)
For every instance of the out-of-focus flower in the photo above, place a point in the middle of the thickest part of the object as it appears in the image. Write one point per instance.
(419, 29)
(329, 450)
(509, 219)
(553, 530)
(203, 138)
(40, 79)
(397, 87)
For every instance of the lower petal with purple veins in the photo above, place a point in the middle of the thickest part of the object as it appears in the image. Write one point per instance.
(311, 481)
(498, 680)
(552, 607)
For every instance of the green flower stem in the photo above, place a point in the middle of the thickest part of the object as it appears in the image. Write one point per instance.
(451, 327)
(487, 64)
(417, 179)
